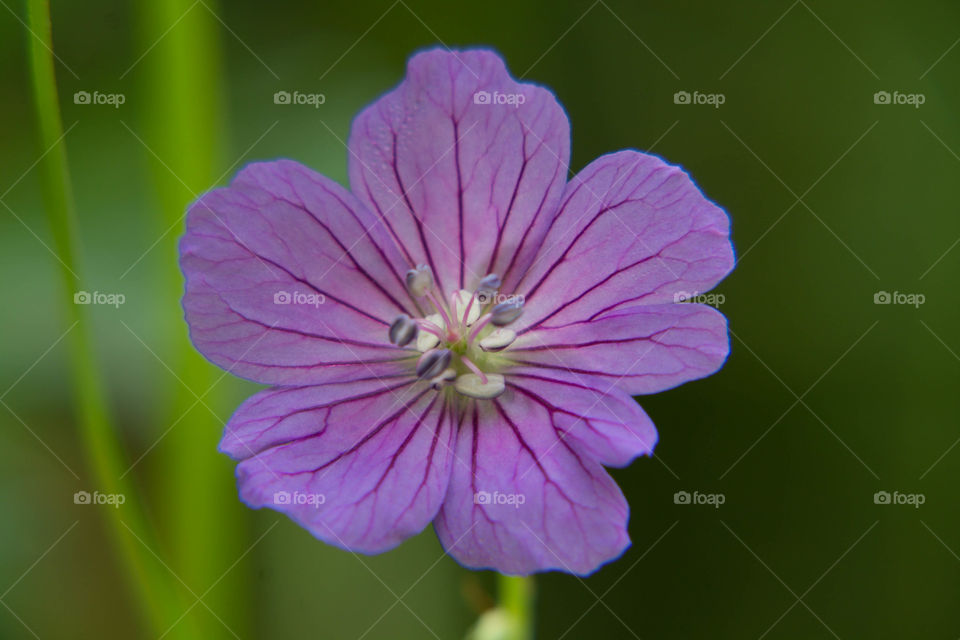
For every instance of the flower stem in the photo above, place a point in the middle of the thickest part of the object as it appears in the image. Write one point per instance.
(150, 583)
(516, 595)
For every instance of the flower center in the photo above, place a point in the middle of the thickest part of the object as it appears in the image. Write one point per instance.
(461, 339)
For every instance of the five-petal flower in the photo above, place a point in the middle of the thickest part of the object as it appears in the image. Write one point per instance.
(456, 339)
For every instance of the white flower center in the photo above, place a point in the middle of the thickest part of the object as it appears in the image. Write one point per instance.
(460, 340)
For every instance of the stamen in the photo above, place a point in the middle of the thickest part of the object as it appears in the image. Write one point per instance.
(471, 385)
(419, 280)
(455, 305)
(426, 341)
(403, 330)
(445, 378)
(432, 334)
(430, 325)
(506, 312)
(470, 365)
(433, 362)
(479, 327)
(440, 309)
(461, 316)
(466, 312)
(464, 309)
(498, 340)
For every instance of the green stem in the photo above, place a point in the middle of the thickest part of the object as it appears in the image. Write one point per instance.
(151, 585)
(516, 594)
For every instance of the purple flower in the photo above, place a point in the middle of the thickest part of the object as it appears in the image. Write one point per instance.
(457, 338)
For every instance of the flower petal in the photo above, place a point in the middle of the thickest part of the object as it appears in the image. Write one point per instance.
(358, 466)
(290, 280)
(521, 499)
(466, 184)
(638, 350)
(631, 230)
(606, 424)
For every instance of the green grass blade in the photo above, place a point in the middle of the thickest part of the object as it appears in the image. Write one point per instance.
(150, 583)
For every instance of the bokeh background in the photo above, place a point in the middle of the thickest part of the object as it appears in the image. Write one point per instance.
(827, 398)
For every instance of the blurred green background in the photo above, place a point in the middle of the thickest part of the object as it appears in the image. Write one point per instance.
(827, 398)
